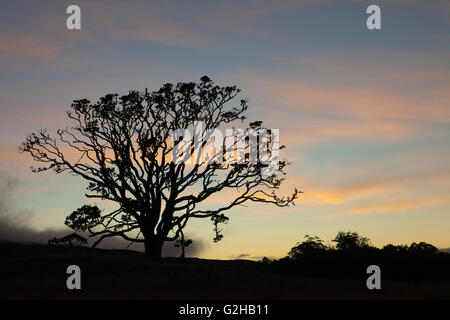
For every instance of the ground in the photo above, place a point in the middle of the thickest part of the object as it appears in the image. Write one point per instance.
(39, 272)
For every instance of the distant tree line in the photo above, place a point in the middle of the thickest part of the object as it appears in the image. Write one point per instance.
(353, 242)
(70, 241)
(353, 253)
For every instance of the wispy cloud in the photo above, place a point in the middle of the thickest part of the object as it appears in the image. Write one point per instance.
(392, 206)
(140, 21)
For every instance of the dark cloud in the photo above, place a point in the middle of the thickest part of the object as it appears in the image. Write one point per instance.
(15, 226)
(247, 256)
(15, 223)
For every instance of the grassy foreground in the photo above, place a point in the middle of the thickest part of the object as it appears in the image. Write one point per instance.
(39, 272)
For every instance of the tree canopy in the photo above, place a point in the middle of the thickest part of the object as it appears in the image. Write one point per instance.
(124, 147)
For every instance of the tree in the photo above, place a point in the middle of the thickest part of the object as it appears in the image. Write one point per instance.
(350, 240)
(71, 240)
(422, 248)
(128, 149)
(313, 245)
(392, 249)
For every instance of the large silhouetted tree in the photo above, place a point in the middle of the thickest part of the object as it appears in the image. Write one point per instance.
(125, 149)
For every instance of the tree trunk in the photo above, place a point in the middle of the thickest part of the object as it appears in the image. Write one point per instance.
(153, 248)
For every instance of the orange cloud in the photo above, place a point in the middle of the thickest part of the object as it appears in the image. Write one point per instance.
(380, 188)
(27, 48)
(310, 130)
(341, 195)
(336, 100)
(392, 206)
(142, 22)
(10, 154)
(355, 100)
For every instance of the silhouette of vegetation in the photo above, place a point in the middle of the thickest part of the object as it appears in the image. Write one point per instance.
(353, 254)
(422, 248)
(350, 241)
(84, 218)
(123, 147)
(310, 246)
(181, 243)
(70, 241)
(37, 272)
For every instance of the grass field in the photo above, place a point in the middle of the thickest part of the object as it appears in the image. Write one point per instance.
(39, 272)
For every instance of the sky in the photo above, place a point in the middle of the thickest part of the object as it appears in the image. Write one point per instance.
(364, 114)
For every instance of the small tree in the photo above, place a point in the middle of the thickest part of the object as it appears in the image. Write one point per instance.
(69, 241)
(124, 147)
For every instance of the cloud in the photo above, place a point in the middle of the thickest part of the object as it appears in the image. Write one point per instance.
(39, 51)
(350, 96)
(37, 40)
(341, 195)
(27, 48)
(247, 256)
(381, 193)
(338, 100)
(382, 204)
(378, 186)
(142, 21)
(391, 206)
(412, 180)
(15, 224)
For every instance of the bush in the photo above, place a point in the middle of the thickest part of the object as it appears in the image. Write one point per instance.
(69, 241)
